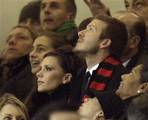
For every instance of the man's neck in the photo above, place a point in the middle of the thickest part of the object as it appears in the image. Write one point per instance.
(93, 59)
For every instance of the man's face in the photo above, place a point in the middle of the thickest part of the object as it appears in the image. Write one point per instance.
(19, 43)
(130, 82)
(88, 41)
(53, 14)
(138, 6)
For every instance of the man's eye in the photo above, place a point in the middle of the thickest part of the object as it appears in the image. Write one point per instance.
(54, 5)
(139, 4)
(7, 118)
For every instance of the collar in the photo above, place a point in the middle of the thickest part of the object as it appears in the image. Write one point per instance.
(126, 63)
(92, 69)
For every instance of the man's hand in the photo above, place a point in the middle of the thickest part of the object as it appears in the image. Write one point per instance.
(97, 7)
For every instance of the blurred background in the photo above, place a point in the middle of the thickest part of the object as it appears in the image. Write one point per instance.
(9, 12)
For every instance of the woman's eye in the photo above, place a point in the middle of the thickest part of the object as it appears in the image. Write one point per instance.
(41, 49)
(48, 68)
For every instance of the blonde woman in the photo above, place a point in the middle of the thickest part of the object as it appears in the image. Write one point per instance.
(12, 108)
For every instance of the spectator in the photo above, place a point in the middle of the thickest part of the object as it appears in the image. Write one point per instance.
(136, 28)
(16, 76)
(30, 16)
(98, 44)
(58, 16)
(12, 108)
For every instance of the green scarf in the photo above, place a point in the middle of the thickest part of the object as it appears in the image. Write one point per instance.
(66, 27)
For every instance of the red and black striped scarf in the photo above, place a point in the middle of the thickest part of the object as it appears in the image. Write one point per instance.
(103, 74)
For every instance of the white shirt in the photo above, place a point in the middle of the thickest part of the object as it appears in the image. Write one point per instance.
(92, 69)
(126, 62)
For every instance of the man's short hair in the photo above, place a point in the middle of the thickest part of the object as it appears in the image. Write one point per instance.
(31, 10)
(115, 31)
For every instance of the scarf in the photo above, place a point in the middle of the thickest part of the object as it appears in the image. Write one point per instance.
(66, 27)
(103, 75)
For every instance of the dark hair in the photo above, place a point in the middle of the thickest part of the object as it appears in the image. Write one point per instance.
(49, 109)
(115, 31)
(139, 28)
(138, 109)
(84, 23)
(67, 59)
(31, 10)
(27, 28)
(56, 40)
(70, 63)
(71, 7)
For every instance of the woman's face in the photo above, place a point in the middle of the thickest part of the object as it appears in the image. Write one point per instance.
(130, 82)
(41, 46)
(11, 112)
(51, 74)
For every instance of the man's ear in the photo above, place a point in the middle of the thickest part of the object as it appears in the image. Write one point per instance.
(67, 78)
(134, 41)
(105, 43)
(143, 88)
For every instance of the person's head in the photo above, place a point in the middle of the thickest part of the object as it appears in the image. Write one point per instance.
(133, 83)
(18, 43)
(138, 6)
(30, 16)
(58, 111)
(12, 108)
(57, 69)
(138, 108)
(101, 35)
(55, 13)
(136, 31)
(91, 110)
(84, 23)
(44, 43)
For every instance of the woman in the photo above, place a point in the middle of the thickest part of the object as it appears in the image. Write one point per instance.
(57, 78)
(12, 108)
(44, 43)
(115, 103)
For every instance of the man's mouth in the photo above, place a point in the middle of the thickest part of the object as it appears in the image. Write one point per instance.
(48, 20)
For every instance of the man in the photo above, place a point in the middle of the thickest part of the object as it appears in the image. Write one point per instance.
(15, 69)
(58, 16)
(135, 25)
(140, 7)
(30, 16)
(101, 44)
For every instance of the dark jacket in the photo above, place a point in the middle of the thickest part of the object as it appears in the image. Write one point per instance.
(19, 79)
(139, 58)
(106, 77)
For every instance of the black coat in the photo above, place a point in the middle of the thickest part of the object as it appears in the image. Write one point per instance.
(19, 79)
